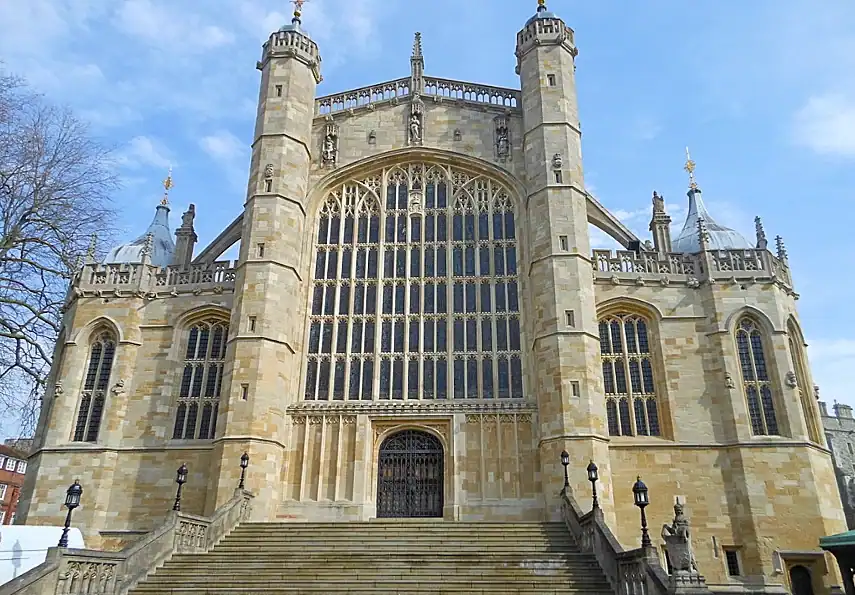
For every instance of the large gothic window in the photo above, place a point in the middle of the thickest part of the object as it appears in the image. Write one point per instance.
(755, 378)
(201, 381)
(415, 292)
(101, 355)
(631, 404)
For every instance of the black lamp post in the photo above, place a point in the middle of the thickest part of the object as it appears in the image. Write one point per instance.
(565, 460)
(180, 479)
(244, 463)
(72, 501)
(593, 477)
(639, 492)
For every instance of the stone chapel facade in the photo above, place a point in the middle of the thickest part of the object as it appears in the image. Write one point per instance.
(417, 326)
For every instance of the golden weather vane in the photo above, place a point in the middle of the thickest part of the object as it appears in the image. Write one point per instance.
(167, 186)
(298, 7)
(690, 168)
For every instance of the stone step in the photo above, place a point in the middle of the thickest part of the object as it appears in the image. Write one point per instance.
(325, 589)
(215, 561)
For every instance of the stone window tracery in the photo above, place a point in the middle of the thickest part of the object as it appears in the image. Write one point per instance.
(631, 402)
(806, 393)
(201, 381)
(415, 292)
(102, 352)
(755, 378)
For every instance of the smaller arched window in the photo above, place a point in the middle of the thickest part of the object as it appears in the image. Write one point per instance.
(631, 402)
(101, 355)
(806, 393)
(201, 381)
(755, 378)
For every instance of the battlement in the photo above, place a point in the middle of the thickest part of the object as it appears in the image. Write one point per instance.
(438, 88)
(713, 266)
(544, 30)
(145, 280)
(292, 43)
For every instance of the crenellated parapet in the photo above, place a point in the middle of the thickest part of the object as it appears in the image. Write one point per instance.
(151, 282)
(713, 266)
(291, 42)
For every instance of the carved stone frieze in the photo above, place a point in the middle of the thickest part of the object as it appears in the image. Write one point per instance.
(407, 407)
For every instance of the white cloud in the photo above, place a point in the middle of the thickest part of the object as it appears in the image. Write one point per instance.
(143, 151)
(826, 124)
(161, 26)
(223, 146)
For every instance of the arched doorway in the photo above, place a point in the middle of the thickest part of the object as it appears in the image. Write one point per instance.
(800, 580)
(410, 476)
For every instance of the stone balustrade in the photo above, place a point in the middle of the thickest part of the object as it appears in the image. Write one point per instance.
(713, 266)
(149, 281)
(438, 88)
(630, 572)
(91, 572)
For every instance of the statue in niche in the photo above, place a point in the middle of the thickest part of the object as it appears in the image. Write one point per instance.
(792, 381)
(678, 543)
(415, 128)
(503, 138)
(329, 149)
(268, 171)
(557, 161)
(728, 381)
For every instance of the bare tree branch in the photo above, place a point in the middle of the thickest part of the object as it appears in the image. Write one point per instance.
(55, 188)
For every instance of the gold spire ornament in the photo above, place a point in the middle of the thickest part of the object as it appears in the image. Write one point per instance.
(167, 186)
(690, 168)
(298, 8)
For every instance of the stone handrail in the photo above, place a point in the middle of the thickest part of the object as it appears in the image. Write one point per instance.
(147, 280)
(339, 102)
(711, 265)
(630, 572)
(91, 572)
(473, 92)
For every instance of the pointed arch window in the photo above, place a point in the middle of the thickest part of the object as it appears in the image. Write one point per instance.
(102, 352)
(632, 408)
(415, 292)
(201, 381)
(806, 393)
(755, 378)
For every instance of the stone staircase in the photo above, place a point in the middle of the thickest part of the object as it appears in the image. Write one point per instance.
(384, 557)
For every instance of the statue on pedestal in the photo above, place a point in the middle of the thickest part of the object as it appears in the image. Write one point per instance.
(678, 543)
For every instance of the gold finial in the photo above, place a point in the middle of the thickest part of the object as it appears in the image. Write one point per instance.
(167, 185)
(541, 2)
(690, 167)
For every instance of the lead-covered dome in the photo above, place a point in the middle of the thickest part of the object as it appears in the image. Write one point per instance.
(720, 237)
(162, 245)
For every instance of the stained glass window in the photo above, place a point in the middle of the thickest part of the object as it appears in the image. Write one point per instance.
(201, 381)
(631, 402)
(101, 355)
(415, 292)
(755, 378)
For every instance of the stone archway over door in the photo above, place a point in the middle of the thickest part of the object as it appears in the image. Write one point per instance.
(410, 476)
(801, 581)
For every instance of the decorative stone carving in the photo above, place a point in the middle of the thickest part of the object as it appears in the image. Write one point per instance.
(658, 203)
(190, 214)
(693, 282)
(58, 390)
(268, 171)
(503, 138)
(457, 134)
(119, 387)
(557, 161)
(639, 281)
(728, 380)
(664, 281)
(792, 381)
(372, 138)
(678, 542)
(329, 150)
(648, 246)
(415, 124)
(415, 203)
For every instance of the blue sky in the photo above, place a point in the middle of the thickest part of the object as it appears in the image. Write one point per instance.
(762, 92)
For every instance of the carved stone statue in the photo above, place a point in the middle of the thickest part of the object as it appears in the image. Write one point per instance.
(415, 128)
(268, 170)
(557, 161)
(658, 203)
(792, 381)
(58, 390)
(329, 149)
(119, 387)
(728, 381)
(503, 147)
(678, 542)
(188, 217)
(414, 202)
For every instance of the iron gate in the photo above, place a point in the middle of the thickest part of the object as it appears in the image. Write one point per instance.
(410, 476)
